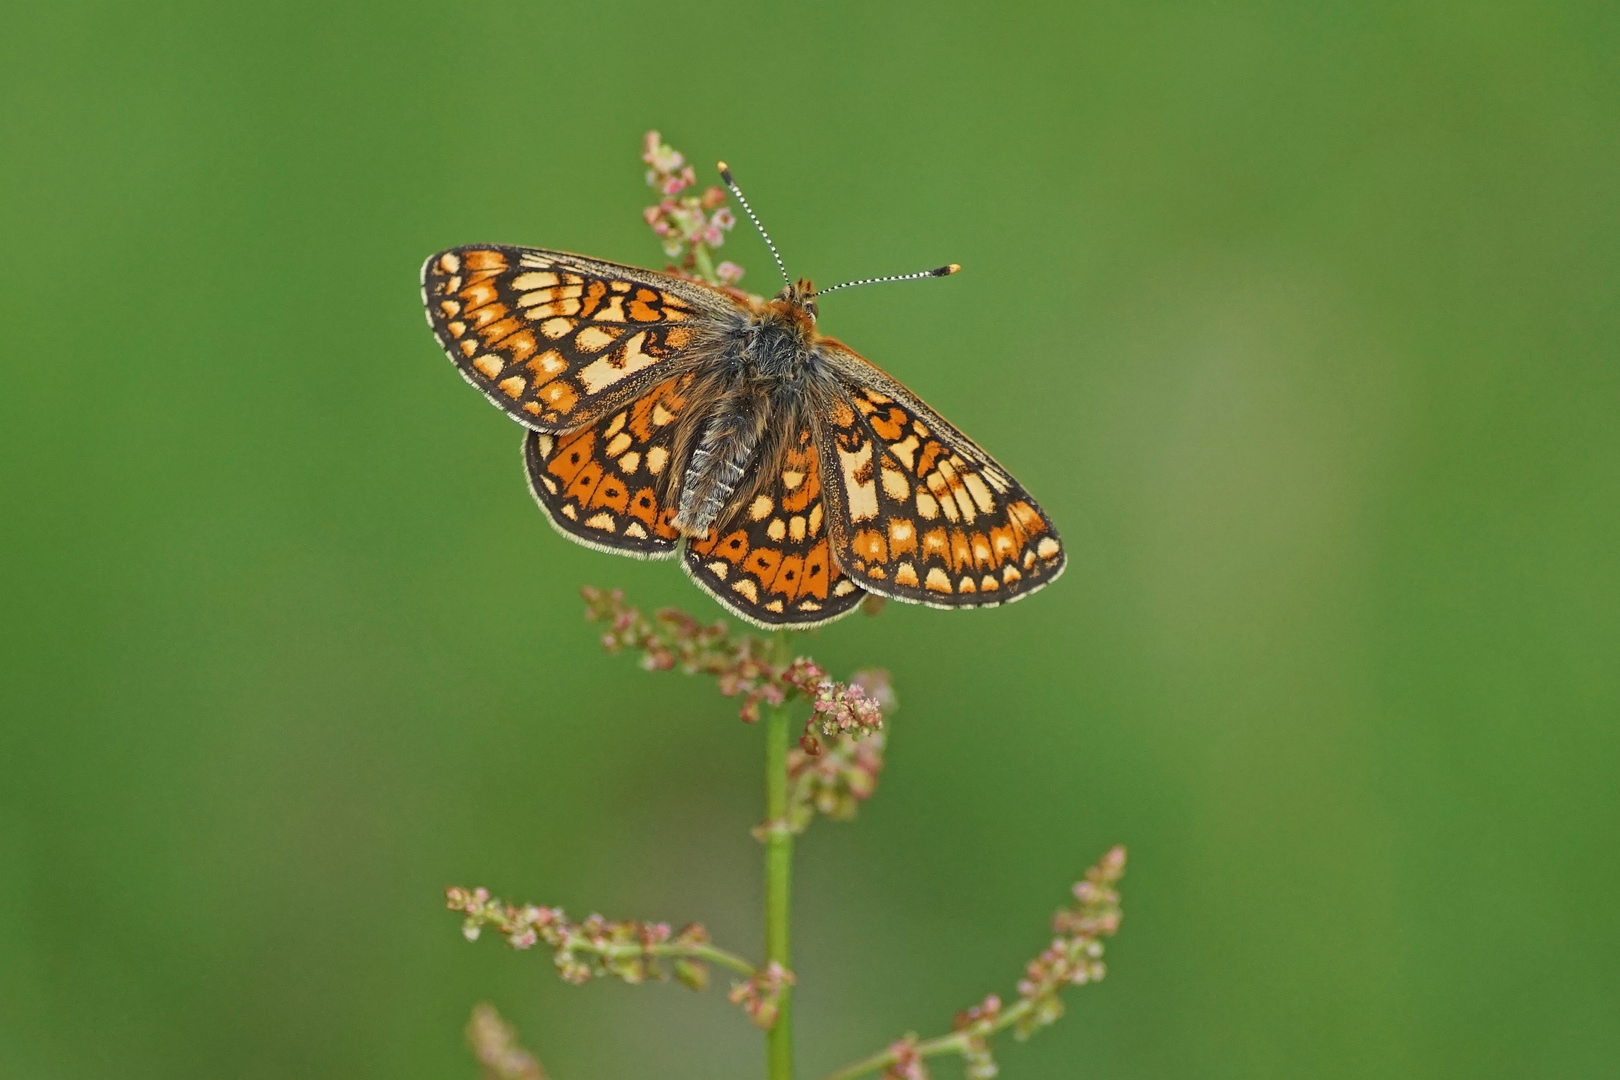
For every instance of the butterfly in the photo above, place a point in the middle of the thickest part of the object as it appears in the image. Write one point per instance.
(665, 418)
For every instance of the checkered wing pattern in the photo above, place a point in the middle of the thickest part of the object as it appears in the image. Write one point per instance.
(602, 485)
(560, 341)
(772, 564)
(919, 512)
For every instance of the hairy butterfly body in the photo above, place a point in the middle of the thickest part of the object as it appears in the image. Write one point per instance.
(669, 418)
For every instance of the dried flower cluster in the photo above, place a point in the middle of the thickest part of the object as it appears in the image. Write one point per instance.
(908, 1063)
(1075, 956)
(670, 638)
(1073, 959)
(690, 225)
(836, 708)
(761, 995)
(494, 1043)
(673, 639)
(835, 778)
(628, 950)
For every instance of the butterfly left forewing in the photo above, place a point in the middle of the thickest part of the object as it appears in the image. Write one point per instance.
(558, 341)
(920, 513)
(772, 564)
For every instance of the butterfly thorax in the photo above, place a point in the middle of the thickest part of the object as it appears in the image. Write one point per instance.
(755, 387)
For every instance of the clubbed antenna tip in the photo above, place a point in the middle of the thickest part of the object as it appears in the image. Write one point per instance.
(940, 271)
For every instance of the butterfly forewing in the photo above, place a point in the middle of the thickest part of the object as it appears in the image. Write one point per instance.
(922, 514)
(556, 340)
(604, 485)
(772, 563)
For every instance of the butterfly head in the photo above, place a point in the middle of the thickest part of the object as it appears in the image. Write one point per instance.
(798, 302)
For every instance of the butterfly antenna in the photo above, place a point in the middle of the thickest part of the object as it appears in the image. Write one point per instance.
(939, 271)
(725, 175)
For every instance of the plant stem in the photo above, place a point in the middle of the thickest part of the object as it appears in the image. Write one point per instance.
(705, 264)
(778, 873)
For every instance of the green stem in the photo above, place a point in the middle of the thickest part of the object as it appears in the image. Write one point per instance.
(705, 264)
(954, 1043)
(778, 873)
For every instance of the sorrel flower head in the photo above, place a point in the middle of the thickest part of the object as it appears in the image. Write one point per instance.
(690, 224)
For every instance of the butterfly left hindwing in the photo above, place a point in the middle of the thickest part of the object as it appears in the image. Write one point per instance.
(603, 485)
(920, 513)
(772, 564)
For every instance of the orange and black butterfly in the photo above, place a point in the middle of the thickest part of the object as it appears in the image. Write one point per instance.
(669, 418)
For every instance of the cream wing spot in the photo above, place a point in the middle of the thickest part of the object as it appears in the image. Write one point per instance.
(629, 463)
(981, 494)
(862, 493)
(760, 508)
(603, 521)
(1047, 548)
(594, 339)
(906, 451)
(657, 458)
(937, 581)
(776, 530)
(617, 366)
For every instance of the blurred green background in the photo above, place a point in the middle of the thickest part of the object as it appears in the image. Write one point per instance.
(1300, 320)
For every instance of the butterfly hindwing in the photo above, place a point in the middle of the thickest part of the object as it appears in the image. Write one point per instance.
(603, 485)
(919, 512)
(556, 340)
(772, 564)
